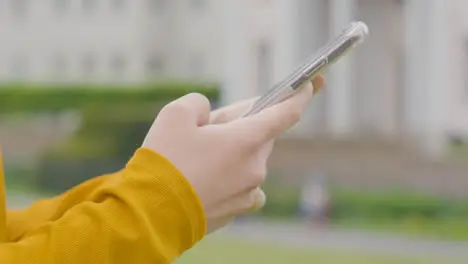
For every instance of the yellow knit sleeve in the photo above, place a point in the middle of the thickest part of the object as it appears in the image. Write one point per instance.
(21, 221)
(150, 214)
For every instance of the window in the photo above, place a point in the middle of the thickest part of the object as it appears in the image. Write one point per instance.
(154, 66)
(465, 68)
(88, 65)
(198, 4)
(60, 65)
(18, 67)
(118, 65)
(118, 4)
(264, 66)
(157, 5)
(197, 64)
(19, 7)
(62, 5)
(89, 6)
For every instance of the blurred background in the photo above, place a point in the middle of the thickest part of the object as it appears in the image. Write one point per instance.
(376, 172)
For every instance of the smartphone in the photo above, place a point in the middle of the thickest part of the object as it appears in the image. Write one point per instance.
(349, 38)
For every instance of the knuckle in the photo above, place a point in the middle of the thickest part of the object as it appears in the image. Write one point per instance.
(251, 145)
(195, 94)
(273, 130)
(247, 142)
(222, 117)
(295, 115)
(258, 176)
(173, 107)
(219, 117)
(198, 96)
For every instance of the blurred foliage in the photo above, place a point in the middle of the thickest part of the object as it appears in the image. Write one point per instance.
(16, 177)
(283, 201)
(113, 123)
(405, 212)
(398, 205)
(31, 98)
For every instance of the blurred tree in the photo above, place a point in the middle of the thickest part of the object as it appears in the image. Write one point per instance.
(114, 121)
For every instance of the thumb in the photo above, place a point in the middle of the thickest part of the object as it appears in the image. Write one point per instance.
(192, 109)
(271, 122)
(231, 112)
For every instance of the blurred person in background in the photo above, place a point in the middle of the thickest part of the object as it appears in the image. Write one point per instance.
(195, 172)
(315, 201)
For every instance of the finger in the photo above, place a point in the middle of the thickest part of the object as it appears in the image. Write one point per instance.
(271, 122)
(244, 202)
(193, 108)
(231, 112)
(318, 83)
(259, 200)
(234, 111)
(256, 200)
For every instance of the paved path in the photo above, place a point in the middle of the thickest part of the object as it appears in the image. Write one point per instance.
(298, 235)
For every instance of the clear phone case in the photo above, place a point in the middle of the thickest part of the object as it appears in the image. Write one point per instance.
(350, 37)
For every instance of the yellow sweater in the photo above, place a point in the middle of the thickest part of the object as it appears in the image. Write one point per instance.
(146, 213)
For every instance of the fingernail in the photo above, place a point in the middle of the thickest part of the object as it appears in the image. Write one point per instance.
(315, 91)
(260, 199)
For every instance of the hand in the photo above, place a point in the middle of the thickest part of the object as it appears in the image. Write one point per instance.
(223, 157)
(229, 113)
(232, 112)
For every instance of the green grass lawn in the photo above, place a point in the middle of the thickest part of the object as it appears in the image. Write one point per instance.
(228, 251)
(446, 229)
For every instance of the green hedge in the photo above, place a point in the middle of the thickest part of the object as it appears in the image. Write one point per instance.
(32, 98)
(114, 121)
(393, 205)
(282, 200)
(396, 205)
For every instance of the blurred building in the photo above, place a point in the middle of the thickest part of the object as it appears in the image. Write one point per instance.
(407, 81)
(109, 41)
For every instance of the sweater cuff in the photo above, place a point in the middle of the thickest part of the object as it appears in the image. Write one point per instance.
(155, 163)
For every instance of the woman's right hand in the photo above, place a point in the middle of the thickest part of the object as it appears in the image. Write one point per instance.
(226, 162)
